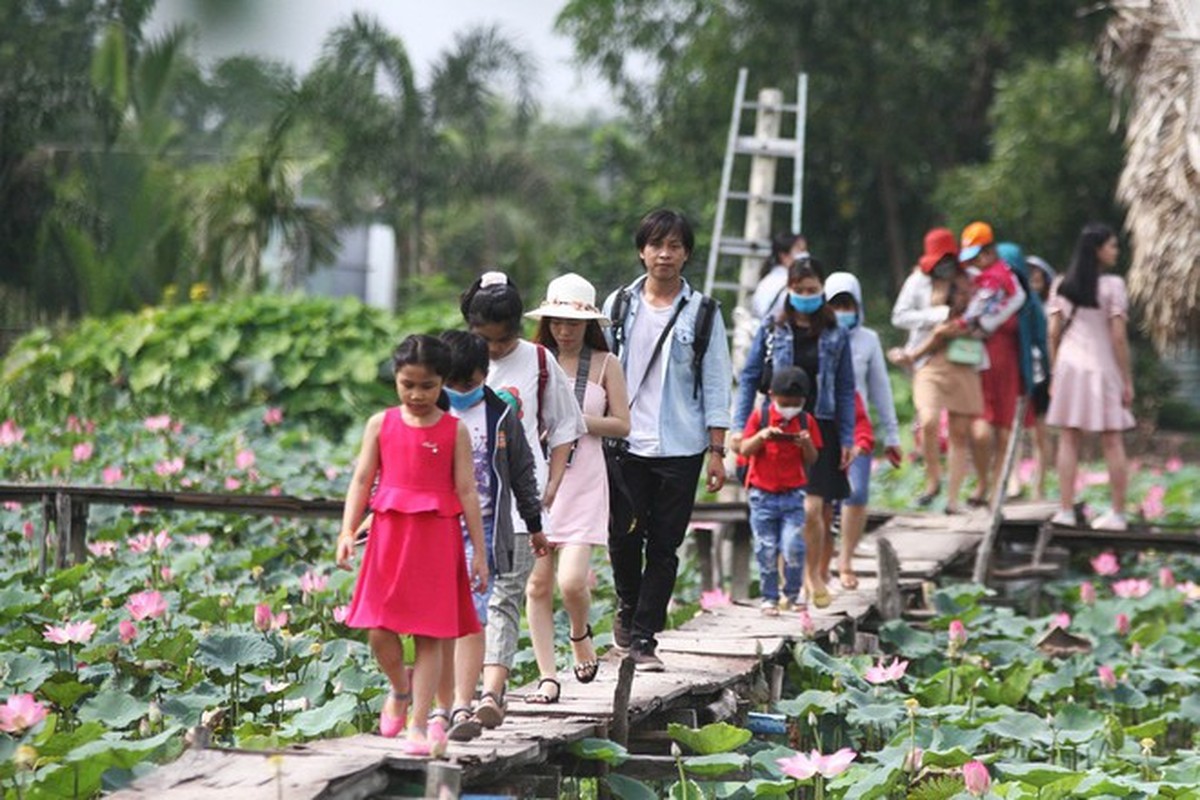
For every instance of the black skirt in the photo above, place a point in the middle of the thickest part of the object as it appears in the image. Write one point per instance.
(825, 477)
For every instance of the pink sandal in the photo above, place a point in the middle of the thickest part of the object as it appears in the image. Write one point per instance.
(390, 726)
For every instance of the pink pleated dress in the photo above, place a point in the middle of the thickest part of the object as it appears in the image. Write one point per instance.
(414, 572)
(1085, 392)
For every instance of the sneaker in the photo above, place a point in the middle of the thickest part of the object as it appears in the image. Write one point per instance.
(769, 608)
(644, 657)
(622, 639)
(1110, 521)
(1063, 518)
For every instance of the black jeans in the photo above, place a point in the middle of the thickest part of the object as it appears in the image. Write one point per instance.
(663, 494)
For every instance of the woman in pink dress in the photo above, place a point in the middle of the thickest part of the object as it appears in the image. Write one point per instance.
(569, 325)
(413, 578)
(1092, 386)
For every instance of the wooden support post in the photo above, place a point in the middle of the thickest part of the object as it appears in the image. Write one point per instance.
(723, 708)
(983, 556)
(707, 554)
(619, 732)
(888, 596)
(739, 562)
(777, 673)
(443, 780)
(49, 513)
(71, 522)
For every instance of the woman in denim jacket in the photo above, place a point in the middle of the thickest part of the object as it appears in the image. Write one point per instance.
(806, 334)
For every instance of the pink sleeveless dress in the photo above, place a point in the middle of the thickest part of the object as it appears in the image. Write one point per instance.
(580, 511)
(414, 572)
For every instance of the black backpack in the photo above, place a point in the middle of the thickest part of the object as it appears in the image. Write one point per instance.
(703, 332)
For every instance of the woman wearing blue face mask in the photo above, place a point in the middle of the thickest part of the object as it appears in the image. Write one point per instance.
(806, 334)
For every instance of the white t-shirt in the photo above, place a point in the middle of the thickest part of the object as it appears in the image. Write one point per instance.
(475, 421)
(771, 293)
(644, 414)
(517, 374)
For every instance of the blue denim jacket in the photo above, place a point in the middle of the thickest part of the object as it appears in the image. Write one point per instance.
(835, 375)
(685, 416)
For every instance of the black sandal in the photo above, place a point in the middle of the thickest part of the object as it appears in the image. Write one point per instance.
(489, 711)
(585, 671)
(544, 698)
(463, 725)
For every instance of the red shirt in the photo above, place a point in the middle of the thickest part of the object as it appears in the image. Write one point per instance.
(864, 432)
(779, 465)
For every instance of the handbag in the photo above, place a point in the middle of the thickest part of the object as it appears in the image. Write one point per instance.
(966, 351)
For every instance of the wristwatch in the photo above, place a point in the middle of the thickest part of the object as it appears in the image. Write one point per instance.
(719, 449)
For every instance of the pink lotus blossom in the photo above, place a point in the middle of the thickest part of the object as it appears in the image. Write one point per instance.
(313, 582)
(139, 509)
(1166, 578)
(265, 620)
(1087, 592)
(1135, 650)
(78, 632)
(802, 767)
(913, 759)
(1190, 589)
(1026, 470)
(12, 505)
(10, 434)
(82, 451)
(158, 423)
(275, 491)
(127, 630)
(269, 686)
(172, 466)
(976, 778)
(1152, 503)
(1122, 622)
(331, 473)
(1174, 464)
(165, 573)
(341, 612)
(20, 712)
(1132, 587)
(244, 459)
(1061, 620)
(140, 542)
(273, 416)
(716, 598)
(232, 484)
(102, 549)
(892, 672)
(73, 425)
(1088, 478)
(1106, 563)
(27, 531)
(146, 605)
(1108, 678)
(162, 540)
(200, 541)
(957, 632)
(806, 623)
(112, 475)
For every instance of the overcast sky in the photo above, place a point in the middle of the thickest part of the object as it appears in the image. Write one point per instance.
(292, 31)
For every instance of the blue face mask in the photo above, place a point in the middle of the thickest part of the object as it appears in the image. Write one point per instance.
(847, 319)
(806, 303)
(461, 401)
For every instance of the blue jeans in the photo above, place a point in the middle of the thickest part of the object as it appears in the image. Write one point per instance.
(480, 599)
(859, 474)
(777, 521)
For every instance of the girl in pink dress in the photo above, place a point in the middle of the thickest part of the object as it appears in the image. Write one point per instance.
(413, 578)
(1092, 385)
(569, 325)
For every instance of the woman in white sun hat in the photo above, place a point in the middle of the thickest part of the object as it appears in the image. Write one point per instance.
(569, 325)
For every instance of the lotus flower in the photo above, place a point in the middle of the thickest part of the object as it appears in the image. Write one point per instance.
(82, 451)
(140, 543)
(881, 674)
(20, 712)
(273, 416)
(313, 582)
(78, 632)
(162, 540)
(1106, 563)
(802, 767)
(976, 778)
(112, 475)
(716, 598)
(158, 423)
(1191, 589)
(331, 473)
(341, 612)
(1132, 587)
(1088, 478)
(1174, 464)
(244, 459)
(127, 630)
(958, 633)
(806, 623)
(10, 434)
(200, 541)
(1122, 622)
(144, 605)
(172, 466)
(1166, 578)
(102, 549)
(265, 620)
(913, 759)
(1108, 678)
(232, 484)
(27, 531)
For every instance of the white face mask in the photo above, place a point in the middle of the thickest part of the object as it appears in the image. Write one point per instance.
(787, 412)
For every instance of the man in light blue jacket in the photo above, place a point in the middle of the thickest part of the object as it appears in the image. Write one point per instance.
(672, 344)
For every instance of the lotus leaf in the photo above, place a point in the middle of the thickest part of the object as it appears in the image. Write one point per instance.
(715, 765)
(626, 788)
(604, 750)
(228, 652)
(718, 737)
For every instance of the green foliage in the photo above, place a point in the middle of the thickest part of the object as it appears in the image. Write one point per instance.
(321, 360)
(718, 737)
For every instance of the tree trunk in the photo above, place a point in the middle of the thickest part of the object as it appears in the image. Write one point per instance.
(894, 227)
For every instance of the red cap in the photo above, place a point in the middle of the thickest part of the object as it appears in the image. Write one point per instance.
(939, 243)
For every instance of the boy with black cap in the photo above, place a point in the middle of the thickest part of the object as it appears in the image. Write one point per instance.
(780, 440)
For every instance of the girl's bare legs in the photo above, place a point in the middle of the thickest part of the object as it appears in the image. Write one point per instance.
(931, 450)
(539, 608)
(960, 443)
(981, 455)
(1068, 465)
(389, 653)
(427, 666)
(854, 522)
(1113, 443)
(997, 463)
(468, 664)
(827, 553)
(574, 561)
(1041, 438)
(814, 546)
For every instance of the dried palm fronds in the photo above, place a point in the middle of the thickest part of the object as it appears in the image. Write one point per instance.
(1150, 52)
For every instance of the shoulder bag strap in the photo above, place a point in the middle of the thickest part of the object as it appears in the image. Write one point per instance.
(581, 374)
(657, 349)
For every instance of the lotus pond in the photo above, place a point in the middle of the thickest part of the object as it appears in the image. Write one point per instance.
(233, 623)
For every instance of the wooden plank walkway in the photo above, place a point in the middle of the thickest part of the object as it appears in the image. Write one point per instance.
(715, 653)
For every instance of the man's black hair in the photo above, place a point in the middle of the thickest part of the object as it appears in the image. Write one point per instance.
(661, 223)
